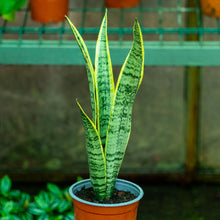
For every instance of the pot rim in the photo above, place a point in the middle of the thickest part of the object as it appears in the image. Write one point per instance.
(121, 182)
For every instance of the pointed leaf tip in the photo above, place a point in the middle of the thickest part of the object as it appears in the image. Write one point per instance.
(136, 23)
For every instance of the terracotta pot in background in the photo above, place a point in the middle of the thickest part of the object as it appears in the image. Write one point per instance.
(84, 210)
(45, 11)
(211, 7)
(121, 3)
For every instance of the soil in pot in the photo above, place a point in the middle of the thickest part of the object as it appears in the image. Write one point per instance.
(118, 196)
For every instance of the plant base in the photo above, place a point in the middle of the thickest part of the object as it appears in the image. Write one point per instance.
(84, 210)
(118, 196)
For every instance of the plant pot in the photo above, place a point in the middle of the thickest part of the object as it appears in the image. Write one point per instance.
(45, 11)
(211, 7)
(121, 3)
(84, 210)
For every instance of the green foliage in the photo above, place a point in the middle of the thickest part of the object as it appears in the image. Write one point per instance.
(9, 7)
(5, 185)
(108, 132)
(54, 203)
(13, 203)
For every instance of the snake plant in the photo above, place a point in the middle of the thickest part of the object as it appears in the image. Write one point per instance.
(107, 133)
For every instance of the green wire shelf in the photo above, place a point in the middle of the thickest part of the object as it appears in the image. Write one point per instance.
(166, 27)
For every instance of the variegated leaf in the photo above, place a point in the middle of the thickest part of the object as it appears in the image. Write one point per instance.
(120, 119)
(104, 78)
(96, 159)
(89, 68)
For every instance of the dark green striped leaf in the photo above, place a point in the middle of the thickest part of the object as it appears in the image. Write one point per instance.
(104, 79)
(89, 68)
(120, 120)
(96, 159)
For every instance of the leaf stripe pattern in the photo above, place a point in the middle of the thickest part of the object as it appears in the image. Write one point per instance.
(96, 160)
(104, 79)
(89, 68)
(120, 119)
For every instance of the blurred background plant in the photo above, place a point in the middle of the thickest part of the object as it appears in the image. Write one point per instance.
(9, 7)
(53, 204)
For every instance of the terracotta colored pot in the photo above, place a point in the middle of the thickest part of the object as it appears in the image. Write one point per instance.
(45, 11)
(121, 3)
(211, 7)
(84, 210)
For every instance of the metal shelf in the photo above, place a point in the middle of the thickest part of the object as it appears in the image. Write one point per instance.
(169, 35)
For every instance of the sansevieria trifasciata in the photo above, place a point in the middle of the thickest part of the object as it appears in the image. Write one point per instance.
(107, 133)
